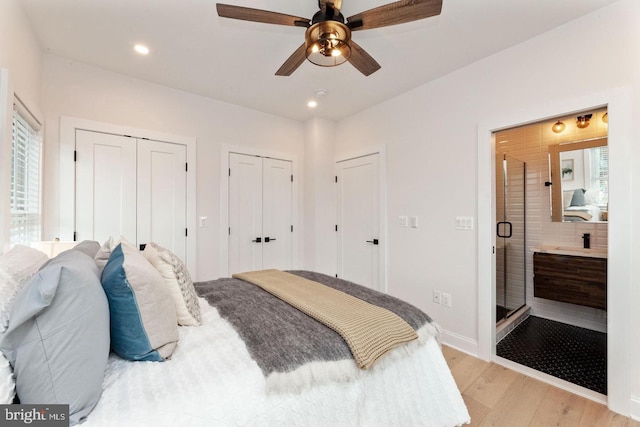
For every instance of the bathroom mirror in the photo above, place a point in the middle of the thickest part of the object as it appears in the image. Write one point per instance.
(580, 181)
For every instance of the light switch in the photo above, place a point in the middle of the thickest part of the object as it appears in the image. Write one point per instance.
(414, 222)
(403, 220)
(203, 221)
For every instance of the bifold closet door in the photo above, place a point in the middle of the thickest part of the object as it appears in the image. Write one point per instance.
(245, 213)
(162, 186)
(130, 187)
(105, 186)
(277, 216)
(260, 213)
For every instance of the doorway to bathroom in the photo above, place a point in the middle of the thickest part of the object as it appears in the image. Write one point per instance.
(557, 335)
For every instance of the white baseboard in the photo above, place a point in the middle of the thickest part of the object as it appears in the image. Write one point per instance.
(460, 342)
(635, 408)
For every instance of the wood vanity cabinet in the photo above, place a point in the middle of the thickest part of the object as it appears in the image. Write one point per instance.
(573, 279)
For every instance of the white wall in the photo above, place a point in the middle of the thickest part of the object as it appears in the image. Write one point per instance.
(78, 90)
(320, 197)
(431, 134)
(20, 70)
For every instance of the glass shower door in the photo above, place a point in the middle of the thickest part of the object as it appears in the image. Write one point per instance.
(510, 236)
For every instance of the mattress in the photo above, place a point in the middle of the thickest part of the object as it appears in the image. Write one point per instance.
(211, 380)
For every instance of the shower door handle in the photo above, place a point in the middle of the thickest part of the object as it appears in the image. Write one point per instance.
(508, 226)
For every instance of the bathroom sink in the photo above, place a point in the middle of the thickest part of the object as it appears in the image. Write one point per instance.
(571, 250)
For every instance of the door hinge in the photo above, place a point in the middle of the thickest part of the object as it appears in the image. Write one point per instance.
(229, 231)
(336, 227)
(291, 178)
(186, 167)
(186, 232)
(336, 275)
(336, 178)
(75, 155)
(292, 228)
(74, 236)
(229, 171)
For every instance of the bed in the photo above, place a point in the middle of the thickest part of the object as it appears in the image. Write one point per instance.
(582, 205)
(214, 378)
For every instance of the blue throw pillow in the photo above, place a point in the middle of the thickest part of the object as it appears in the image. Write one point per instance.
(143, 317)
(58, 335)
(578, 198)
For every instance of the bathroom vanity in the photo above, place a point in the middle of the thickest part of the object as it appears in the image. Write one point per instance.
(572, 275)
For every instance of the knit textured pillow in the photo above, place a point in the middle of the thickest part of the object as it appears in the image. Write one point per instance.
(178, 281)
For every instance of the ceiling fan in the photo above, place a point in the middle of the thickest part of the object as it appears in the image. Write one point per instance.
(328, 37)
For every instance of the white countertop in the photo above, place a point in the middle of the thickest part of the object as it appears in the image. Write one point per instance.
(570, 250)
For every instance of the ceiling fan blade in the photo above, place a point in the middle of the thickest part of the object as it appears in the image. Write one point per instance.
(362, 60)
(258, 15)
(295, 60)
(395, 13)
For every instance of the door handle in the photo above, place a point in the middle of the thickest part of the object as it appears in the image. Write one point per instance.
(509, 227)
(269, 239)
(258, 240)
(374, 241)
(142, 246)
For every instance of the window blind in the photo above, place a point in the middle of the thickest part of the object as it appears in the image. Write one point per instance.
(25, 213)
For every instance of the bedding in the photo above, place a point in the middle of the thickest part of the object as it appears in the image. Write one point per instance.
(267, 325)
(212, 380)
(369, 330)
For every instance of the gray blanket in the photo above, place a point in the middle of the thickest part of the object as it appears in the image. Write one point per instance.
(278, 336)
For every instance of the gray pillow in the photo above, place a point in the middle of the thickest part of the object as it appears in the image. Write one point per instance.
(578, 198)
(58, 335)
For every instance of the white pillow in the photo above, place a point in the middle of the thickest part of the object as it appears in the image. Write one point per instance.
(103, 254)
(7, 382)
(178, 281)
(16, 267)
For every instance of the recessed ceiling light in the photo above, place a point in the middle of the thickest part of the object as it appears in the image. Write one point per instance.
(141, 49)
(312, 104)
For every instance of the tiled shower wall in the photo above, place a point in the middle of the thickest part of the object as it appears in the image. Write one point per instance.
(530, 144)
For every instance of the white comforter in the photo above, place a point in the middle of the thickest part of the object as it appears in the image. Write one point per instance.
(212, 381)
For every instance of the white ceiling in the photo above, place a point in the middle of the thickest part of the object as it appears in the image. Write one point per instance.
(234, 61)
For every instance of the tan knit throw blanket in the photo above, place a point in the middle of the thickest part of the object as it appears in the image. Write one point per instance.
(369, 331)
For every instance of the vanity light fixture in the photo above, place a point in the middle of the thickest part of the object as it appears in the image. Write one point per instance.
(583, 121)
(558, 127)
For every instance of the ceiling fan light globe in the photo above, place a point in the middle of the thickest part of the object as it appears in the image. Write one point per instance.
(327, 43)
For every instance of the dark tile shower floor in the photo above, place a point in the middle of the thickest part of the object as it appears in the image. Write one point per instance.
(564, 351)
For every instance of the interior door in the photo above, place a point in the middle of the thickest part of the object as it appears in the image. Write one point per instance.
(162, 186)
(359, 243)
(105, 186)
(245, 213)
(277, 214)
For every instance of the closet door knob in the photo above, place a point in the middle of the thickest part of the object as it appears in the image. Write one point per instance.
(269, 239)
(258, 240)
(374, 241)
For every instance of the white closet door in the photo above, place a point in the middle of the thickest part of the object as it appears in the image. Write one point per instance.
(105, 186)
(277, 208)
(358, 221)
(161, 212)
(245, 213)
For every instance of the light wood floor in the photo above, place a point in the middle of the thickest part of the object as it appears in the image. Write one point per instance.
(498, 396)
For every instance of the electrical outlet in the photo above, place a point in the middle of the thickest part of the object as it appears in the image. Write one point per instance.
(437, 296)
(446, 299)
